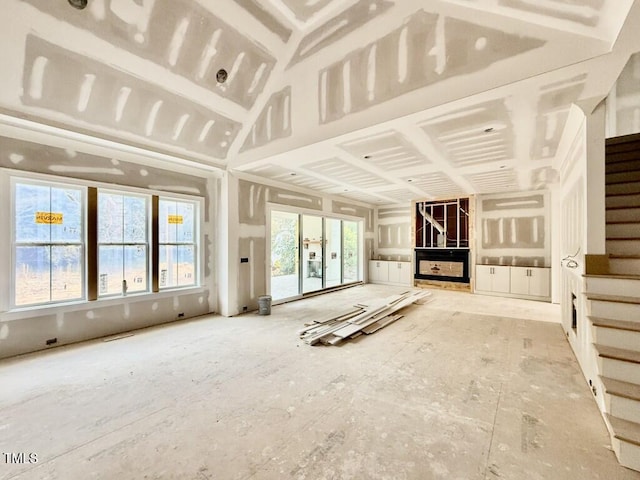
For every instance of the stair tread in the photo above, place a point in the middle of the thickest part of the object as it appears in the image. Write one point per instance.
(622, 238)
(622, 222)
(624, 429)
(624, 207)
(625, 276)
(617, 324)
(615, 353)
(616, 182)
(622, 194)
(623, 257)
(612, 298)
(621, 389)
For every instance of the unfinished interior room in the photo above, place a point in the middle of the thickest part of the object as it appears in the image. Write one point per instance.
(320, 239)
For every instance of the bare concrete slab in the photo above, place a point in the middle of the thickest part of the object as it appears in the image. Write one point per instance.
(465, 386)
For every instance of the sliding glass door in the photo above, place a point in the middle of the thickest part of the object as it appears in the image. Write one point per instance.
(350, 249)
(310, 253)
(285, 260)
(333, 252)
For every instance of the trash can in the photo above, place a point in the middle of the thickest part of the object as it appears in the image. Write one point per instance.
(264, 305)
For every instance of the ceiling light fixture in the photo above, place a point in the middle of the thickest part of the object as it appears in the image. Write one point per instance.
(367, 157)
(222, 75)
(79, 4)
(293, 174)
(488, 130)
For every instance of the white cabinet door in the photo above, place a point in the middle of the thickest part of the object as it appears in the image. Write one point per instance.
(378, 271)
(531, 281)
(520, 280)
(394, 272)
(501, 279)
(484, 277)
(406, 273)
(492, 278)
(539, 282)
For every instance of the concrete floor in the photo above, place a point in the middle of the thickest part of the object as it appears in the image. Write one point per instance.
(451, 391)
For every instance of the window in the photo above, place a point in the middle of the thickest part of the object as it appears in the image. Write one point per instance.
(177, 243)
(122, 243)
(74, 242)
(48, 239)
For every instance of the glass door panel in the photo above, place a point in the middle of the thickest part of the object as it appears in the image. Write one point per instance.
(312, 267)
(333, 252)
(285, 260)
(350, 264)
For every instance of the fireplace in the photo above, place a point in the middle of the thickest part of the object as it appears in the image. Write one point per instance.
(443, 264)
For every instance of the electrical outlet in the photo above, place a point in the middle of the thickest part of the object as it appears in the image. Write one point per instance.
(181, 315)
(244, 308)
(51, 341)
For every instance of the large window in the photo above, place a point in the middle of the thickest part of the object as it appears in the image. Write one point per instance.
(48, 239)
(77, 241)
(177, 243)
(122, 243)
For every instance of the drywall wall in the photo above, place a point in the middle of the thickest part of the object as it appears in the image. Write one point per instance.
(28, 330)
(394, 233)
(274, 121)
(514, 229)
(572, 199)
(623, 102)
(252, 199)
(366, 77)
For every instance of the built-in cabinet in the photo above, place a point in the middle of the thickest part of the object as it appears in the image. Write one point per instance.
(530, 281)
(526, 282)
(493, 278)
(397, 273)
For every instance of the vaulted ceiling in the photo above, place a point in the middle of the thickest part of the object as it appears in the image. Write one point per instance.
(379, 101)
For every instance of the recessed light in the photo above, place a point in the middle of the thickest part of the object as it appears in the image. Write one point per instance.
(222, 75)
(346, 190)
(293, 174)
(409, 180)
(503, 166)
(488, 130)
(79, 4)
(367, 157)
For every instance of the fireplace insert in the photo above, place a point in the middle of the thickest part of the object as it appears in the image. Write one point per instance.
(443, 264)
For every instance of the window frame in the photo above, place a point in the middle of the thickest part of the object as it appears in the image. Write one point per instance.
(15, 180)
(147, 243)
(195, 243)
(10, 177)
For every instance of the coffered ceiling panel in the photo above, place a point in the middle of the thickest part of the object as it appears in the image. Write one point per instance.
(476, 135)
(435, 184)
(388, 150)
(498, 181)
(341, 171)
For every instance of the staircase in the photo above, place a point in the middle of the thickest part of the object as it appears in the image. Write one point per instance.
(614, 301)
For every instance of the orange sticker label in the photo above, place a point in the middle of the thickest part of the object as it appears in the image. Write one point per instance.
(175, 219)
(50, 218)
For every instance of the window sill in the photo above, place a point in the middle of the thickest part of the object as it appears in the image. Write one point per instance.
(52, 309)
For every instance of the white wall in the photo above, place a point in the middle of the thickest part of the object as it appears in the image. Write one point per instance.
(247, 229)
(579, 227)
(28, 329)
(394, 232)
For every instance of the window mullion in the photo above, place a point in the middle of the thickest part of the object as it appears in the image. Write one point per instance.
(92, 243)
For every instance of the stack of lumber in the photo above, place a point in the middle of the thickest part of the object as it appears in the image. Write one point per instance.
(350, 323)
